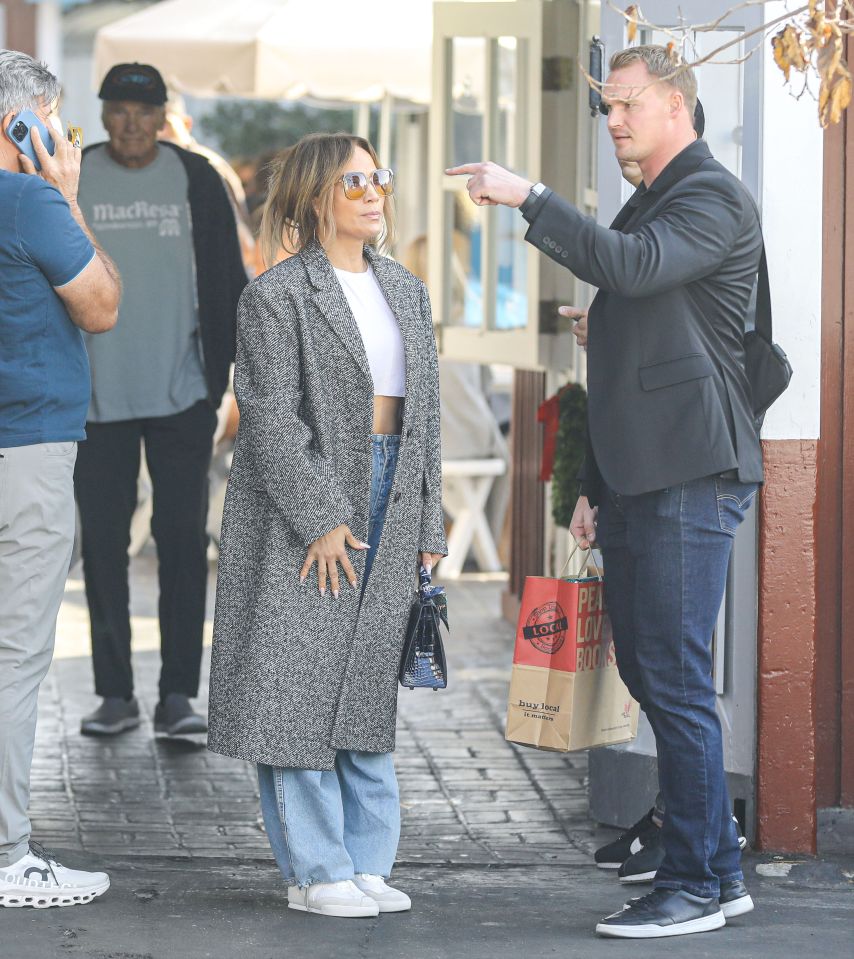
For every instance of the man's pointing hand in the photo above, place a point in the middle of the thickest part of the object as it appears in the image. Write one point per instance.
(492, 185)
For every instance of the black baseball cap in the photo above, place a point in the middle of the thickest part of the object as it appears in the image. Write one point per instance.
(699, 119)
(134, 81)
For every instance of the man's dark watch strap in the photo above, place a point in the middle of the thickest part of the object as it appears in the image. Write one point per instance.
(533, 201)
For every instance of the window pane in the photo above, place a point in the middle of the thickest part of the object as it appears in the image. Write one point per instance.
(467, 69)
(511, 306)
(510, 115)
(464, 246)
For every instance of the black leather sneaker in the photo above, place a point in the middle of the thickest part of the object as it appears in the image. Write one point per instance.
(614, 854)
(643, 865)
(735, 899)
(663, 912)
(115, 715)
(174, 716)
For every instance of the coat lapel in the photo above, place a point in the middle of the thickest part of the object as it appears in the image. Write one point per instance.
(332, 303)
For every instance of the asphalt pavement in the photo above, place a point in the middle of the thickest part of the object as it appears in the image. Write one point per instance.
(495, 852)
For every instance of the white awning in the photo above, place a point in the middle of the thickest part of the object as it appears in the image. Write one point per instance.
(336, 50)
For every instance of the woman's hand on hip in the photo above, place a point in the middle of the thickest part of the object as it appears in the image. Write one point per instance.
(328, 552)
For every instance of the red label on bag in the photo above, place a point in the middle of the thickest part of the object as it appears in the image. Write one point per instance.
(563, 625)
(545, 629)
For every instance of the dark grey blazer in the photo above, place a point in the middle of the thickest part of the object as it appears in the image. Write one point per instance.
(669, 399)
(296, 675)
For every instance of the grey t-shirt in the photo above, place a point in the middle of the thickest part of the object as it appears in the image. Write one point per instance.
(150, 363)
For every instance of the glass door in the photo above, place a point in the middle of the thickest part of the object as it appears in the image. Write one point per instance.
(486, 105)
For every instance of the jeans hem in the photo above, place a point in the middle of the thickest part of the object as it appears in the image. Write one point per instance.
(382, 873)
(677, 886)
(320, 882)
(737, 876)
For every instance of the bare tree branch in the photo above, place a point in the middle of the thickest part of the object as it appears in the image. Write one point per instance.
(811, 41)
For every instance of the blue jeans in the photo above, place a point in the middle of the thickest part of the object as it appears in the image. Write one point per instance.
(666, 558)
(327, 825)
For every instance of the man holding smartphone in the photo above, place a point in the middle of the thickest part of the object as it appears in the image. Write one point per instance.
(57, 282)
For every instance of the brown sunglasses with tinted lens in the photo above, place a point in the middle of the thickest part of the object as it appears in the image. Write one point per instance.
(356, 184)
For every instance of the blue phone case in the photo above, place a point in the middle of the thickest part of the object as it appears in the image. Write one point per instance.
(18, 133)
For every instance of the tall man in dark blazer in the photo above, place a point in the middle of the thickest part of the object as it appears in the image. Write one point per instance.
(673, 456)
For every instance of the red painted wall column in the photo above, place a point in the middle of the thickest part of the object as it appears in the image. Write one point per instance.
(786, 760)
(21, 26)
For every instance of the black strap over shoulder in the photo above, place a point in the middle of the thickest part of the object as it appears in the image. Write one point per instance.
(768, 368)
(763, 321)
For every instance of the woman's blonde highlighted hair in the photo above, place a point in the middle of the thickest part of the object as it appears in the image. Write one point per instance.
(298, 210)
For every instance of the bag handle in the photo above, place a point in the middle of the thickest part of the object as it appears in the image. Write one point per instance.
(590, 557)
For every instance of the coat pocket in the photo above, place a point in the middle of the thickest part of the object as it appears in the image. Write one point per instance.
(671, 372)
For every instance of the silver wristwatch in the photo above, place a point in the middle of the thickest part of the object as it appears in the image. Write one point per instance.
(537, 191)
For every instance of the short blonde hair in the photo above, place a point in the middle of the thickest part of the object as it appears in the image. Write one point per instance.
(659, 64)
(302, 177)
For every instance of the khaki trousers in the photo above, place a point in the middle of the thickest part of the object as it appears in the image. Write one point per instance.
(36, 538)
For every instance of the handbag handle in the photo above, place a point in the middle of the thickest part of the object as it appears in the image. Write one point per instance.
(424, 577)
(590, 557)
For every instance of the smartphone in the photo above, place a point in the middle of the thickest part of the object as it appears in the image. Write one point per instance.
(19, 132)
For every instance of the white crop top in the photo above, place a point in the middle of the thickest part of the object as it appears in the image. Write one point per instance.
(381, 334)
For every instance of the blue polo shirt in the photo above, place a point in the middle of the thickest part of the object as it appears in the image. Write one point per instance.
(44, 369)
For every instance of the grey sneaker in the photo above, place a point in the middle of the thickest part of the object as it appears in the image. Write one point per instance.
(114, 715)
(174, 716)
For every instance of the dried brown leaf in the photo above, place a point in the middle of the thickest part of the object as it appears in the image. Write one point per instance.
(830, 56)
(834, 96)
(789, 52)
(817, 30)
(632, 19)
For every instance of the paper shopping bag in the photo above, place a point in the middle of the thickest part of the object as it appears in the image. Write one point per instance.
(565, 691)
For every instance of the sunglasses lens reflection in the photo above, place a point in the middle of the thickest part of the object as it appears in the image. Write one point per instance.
(383, 180)
(355, 185)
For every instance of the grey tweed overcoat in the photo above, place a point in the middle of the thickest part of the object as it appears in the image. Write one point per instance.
(295, 675)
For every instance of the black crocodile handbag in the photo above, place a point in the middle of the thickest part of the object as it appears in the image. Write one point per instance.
(422, 665)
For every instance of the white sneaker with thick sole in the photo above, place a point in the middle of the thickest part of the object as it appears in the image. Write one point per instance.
(39, 881)
(343, 900)
(387, 898)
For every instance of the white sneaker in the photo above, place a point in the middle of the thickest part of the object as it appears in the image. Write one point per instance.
(387, 898)
(341, 899)
(38, 880)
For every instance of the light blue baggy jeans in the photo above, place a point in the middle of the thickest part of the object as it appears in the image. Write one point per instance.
(328, 825)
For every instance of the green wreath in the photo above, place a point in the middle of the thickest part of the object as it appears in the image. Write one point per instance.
(569, 452)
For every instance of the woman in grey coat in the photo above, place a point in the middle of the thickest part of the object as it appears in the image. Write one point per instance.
(335, 496)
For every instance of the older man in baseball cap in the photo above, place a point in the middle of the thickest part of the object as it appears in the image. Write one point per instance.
(163, 214)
